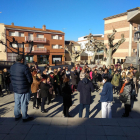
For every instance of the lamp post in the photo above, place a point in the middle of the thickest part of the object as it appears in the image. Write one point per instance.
(137, 40)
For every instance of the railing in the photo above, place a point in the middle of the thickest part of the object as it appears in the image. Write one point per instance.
(36, 50)
(35, 39)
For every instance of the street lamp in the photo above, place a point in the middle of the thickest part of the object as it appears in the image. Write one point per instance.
(137, 40)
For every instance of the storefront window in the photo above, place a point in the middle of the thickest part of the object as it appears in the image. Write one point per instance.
(43, 59)
(29, 59)
(57, 58)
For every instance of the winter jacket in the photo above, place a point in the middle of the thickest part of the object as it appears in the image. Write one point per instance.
(127, 92)
(137, 75)
(44, 90)
(1, 81)
(74, 78)
(21, 78)
(6, 78)
(107, 93)
(90, 74)
(115, 80)
(66, 91)
(51, 79)
(82, 75)
(35, 85)
(95, 78)
(85, 87)
(68, 74)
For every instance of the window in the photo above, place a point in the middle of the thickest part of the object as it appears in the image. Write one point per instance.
(40, 36)
(133, 50)
(57, 58)
(60, 37)
(11, 56)
(40, 46)
(56, 46)
(11, 33)
(54, 36)
(30, 36)
(21, 34)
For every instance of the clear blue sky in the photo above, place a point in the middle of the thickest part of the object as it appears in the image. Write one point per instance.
(78, 17)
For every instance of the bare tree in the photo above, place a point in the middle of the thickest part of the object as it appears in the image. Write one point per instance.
(73, 54)
(13, 41)
(112, 47)
(93, 45)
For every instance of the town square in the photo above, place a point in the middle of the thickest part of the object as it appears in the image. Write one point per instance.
(69, 70)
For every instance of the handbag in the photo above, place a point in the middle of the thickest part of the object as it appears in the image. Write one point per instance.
(123, 98)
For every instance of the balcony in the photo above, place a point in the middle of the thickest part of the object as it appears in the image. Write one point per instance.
(35, 39)
(35, 50)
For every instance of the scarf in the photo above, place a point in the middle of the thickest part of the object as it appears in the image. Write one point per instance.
(51, 76)
(121, 91)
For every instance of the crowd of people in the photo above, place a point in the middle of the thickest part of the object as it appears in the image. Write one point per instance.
(50, 83)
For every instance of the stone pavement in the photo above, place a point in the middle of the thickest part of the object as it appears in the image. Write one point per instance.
(56, 128)
(52, 125)
(55, 108)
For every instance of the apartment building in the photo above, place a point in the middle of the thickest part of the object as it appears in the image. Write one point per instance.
(48, 45)
(87, 55)
(125, 23)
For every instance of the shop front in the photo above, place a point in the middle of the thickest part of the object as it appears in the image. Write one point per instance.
(43, 59)
(56, 58)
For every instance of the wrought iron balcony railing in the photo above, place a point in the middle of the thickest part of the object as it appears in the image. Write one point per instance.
(35, 39)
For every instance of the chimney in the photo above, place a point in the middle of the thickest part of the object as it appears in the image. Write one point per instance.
(33, 26)
(44, 27)
(12, 23)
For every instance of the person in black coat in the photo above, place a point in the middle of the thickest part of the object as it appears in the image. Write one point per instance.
(44, 92)
(85, 87)
(1, 83)
(74, 79)
(67, 99)
(6, 78)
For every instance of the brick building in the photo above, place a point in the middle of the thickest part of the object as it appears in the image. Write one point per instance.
(48, 45)
(127, 24)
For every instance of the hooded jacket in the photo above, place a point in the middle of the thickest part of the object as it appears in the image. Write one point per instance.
(85, 87)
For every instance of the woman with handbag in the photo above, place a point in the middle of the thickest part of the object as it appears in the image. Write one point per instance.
(125, 96)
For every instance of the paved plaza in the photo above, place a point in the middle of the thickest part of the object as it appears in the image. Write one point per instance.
(53, 125)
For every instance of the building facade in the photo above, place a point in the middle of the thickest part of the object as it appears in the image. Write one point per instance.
(87, 55)
(48, 45)
(127, 24)
(77, 48)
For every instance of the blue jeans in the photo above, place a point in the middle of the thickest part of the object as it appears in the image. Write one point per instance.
(21, 103)
(82, 106)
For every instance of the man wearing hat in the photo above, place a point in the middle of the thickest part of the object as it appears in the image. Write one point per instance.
(21, 79)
